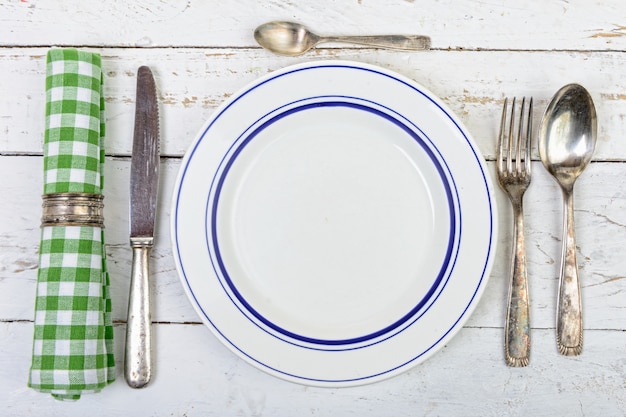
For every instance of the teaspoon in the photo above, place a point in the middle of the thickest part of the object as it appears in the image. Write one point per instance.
(567, 139)
(292, 39)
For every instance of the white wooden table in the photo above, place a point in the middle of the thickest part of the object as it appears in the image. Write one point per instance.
(203, 51)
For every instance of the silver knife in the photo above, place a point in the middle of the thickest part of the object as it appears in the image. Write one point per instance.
(144, 183)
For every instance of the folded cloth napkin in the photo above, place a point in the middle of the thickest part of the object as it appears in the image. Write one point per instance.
(73, 337)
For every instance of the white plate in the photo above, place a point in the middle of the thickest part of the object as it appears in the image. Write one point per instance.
(333, 223)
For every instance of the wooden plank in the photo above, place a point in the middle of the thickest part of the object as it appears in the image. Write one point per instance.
(196, 376)
(600, 215)
(192, 83)
(469, 24)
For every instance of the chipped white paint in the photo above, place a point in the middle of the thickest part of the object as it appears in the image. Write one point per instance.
(525, 24)
(192, 83)
(202, 52)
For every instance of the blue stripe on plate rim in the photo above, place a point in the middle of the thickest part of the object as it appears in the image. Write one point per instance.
(352, 66)
(213, 244)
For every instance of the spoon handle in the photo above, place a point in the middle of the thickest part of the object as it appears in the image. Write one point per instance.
(569, 323)
(400, 42)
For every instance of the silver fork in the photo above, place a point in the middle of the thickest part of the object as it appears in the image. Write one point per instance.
(513, 171)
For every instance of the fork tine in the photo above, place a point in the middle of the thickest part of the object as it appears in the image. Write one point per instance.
(513, 148)
(509, 160)
(521, 142)
(501, 136)
(529, 130)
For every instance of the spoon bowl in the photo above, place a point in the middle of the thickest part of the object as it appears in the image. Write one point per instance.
(285, 38)
(568, 134)
(567, 139)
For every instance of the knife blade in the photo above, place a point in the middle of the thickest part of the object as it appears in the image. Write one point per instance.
(144, 182)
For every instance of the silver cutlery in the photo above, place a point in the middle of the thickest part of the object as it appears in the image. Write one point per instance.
(292, 39)
(513, 165)
(144, 180)
(567, 139)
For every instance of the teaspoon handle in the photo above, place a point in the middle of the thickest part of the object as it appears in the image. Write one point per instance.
(517, 325)
(569, 324)
(400, 42)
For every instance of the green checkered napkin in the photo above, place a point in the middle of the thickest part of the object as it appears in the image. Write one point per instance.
(73, 338)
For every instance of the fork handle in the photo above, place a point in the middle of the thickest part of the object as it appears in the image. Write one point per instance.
(569, 323)
(517, 326)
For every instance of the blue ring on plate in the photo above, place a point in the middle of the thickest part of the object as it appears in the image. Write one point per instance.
(332, 342)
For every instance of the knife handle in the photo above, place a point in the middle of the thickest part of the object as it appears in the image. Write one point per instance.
(138, 361)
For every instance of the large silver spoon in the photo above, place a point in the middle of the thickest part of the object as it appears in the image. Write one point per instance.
(292, 39)
(567, 139)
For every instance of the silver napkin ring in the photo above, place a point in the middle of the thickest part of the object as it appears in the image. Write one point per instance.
(72, 209)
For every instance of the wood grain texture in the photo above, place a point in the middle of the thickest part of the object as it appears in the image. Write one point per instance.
(202, 52)
(192, 84)
(525, 25)
(197, 376)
